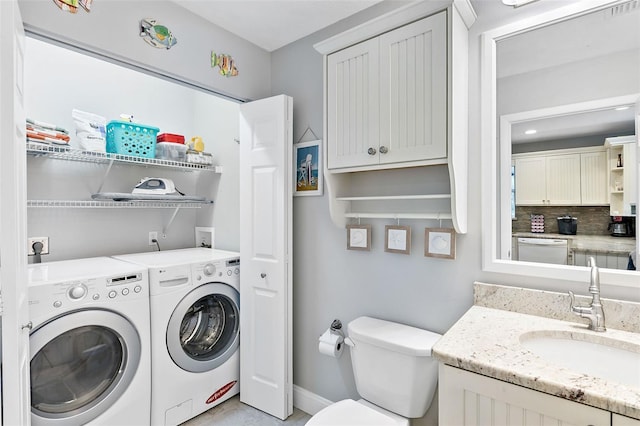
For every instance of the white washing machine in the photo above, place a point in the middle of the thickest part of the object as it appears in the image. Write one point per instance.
(90, 343)
(195, 323)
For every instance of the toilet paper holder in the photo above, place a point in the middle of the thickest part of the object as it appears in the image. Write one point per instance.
(336, 327)
(331, 342)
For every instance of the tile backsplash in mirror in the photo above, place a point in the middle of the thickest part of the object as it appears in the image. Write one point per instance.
(592, 220)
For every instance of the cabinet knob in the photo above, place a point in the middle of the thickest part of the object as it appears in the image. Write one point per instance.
(371, 151)
(384, 150)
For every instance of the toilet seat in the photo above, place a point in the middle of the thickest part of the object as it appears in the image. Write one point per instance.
(355, 413)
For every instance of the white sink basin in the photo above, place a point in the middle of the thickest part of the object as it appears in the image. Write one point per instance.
(594, 355)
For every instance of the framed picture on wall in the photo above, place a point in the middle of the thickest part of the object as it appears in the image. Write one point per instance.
(440, 242)
(307, 168)
(359, 237)
(397, 239)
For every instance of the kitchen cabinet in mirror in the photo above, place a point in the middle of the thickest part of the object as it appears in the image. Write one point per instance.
(547, 92)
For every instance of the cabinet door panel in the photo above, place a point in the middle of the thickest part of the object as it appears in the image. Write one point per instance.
(563, 179)
(413, 91)
(530, 181)
(467, 399)
(352, 106)
(593, 178)
(618, 420)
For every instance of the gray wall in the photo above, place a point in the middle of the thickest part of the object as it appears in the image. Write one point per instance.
(112, 29)
(597, 78)
(331, 282)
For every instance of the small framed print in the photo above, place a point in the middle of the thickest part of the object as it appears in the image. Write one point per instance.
(359, 237)
(440, 242)
(397, 239)
(307, 168)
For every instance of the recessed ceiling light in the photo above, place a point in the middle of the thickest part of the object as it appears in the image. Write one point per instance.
(516, 3)
(622, 108)
(530, 132)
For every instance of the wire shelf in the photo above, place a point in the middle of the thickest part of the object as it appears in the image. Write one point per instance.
(93, 204)
(66, 153)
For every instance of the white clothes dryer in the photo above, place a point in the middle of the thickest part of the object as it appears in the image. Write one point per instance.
(90, 344)
(195, 324)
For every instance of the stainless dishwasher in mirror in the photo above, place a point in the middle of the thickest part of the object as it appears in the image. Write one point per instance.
(543, 250)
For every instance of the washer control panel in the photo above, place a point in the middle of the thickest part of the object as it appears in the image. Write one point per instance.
(91, 291)
(226, 271)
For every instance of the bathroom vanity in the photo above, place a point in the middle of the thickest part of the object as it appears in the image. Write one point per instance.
(502, 362)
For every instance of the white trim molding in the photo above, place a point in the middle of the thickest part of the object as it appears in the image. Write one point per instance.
(308, 401)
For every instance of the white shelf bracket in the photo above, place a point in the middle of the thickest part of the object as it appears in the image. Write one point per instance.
(104, 177)
(173, 216)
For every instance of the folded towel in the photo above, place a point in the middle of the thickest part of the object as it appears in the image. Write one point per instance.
(47, 126)
(48, 133)
(35, 136)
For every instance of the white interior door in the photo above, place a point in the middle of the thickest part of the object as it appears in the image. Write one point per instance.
(13, 226)
(266, 372)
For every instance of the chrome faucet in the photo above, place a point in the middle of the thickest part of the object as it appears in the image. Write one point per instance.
(593, 312)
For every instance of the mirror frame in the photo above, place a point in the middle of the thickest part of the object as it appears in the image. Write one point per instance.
(492, 228)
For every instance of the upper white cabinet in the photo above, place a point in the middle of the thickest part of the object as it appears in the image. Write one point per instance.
(386, 97)
(548, 180)
(396, 115)
(561, 178)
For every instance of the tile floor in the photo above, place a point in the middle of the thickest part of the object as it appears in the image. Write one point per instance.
(234, 413)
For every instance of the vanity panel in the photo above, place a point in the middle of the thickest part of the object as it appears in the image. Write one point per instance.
(467, 399)
(617, 420)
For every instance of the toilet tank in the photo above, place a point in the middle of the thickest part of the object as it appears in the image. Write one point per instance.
(392, 365)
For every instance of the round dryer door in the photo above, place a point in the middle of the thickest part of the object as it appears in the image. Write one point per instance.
(81, 363)
(203, 331)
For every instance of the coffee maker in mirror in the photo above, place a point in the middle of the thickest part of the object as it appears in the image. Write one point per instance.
(622, 226)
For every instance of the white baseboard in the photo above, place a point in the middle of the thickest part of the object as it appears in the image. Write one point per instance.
(308, 401)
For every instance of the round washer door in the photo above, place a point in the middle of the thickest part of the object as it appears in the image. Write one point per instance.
(203, 331)
(81, 363)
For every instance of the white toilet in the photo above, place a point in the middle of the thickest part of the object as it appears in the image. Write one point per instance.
(394, 373)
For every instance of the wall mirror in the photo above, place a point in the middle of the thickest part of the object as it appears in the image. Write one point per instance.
(571, 74)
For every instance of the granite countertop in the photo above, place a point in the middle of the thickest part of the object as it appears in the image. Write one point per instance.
(600, 243)
(486, 341)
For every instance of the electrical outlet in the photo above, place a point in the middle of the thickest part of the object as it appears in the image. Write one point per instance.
(43, 240)
(153, 235)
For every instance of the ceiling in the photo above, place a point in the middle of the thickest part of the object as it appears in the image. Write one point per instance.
(272, 24)
(597, 34)
(609, 121)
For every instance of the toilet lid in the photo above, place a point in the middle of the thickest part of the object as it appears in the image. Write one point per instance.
(351, 413)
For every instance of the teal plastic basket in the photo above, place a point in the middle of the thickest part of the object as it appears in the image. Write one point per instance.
(131, 139)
